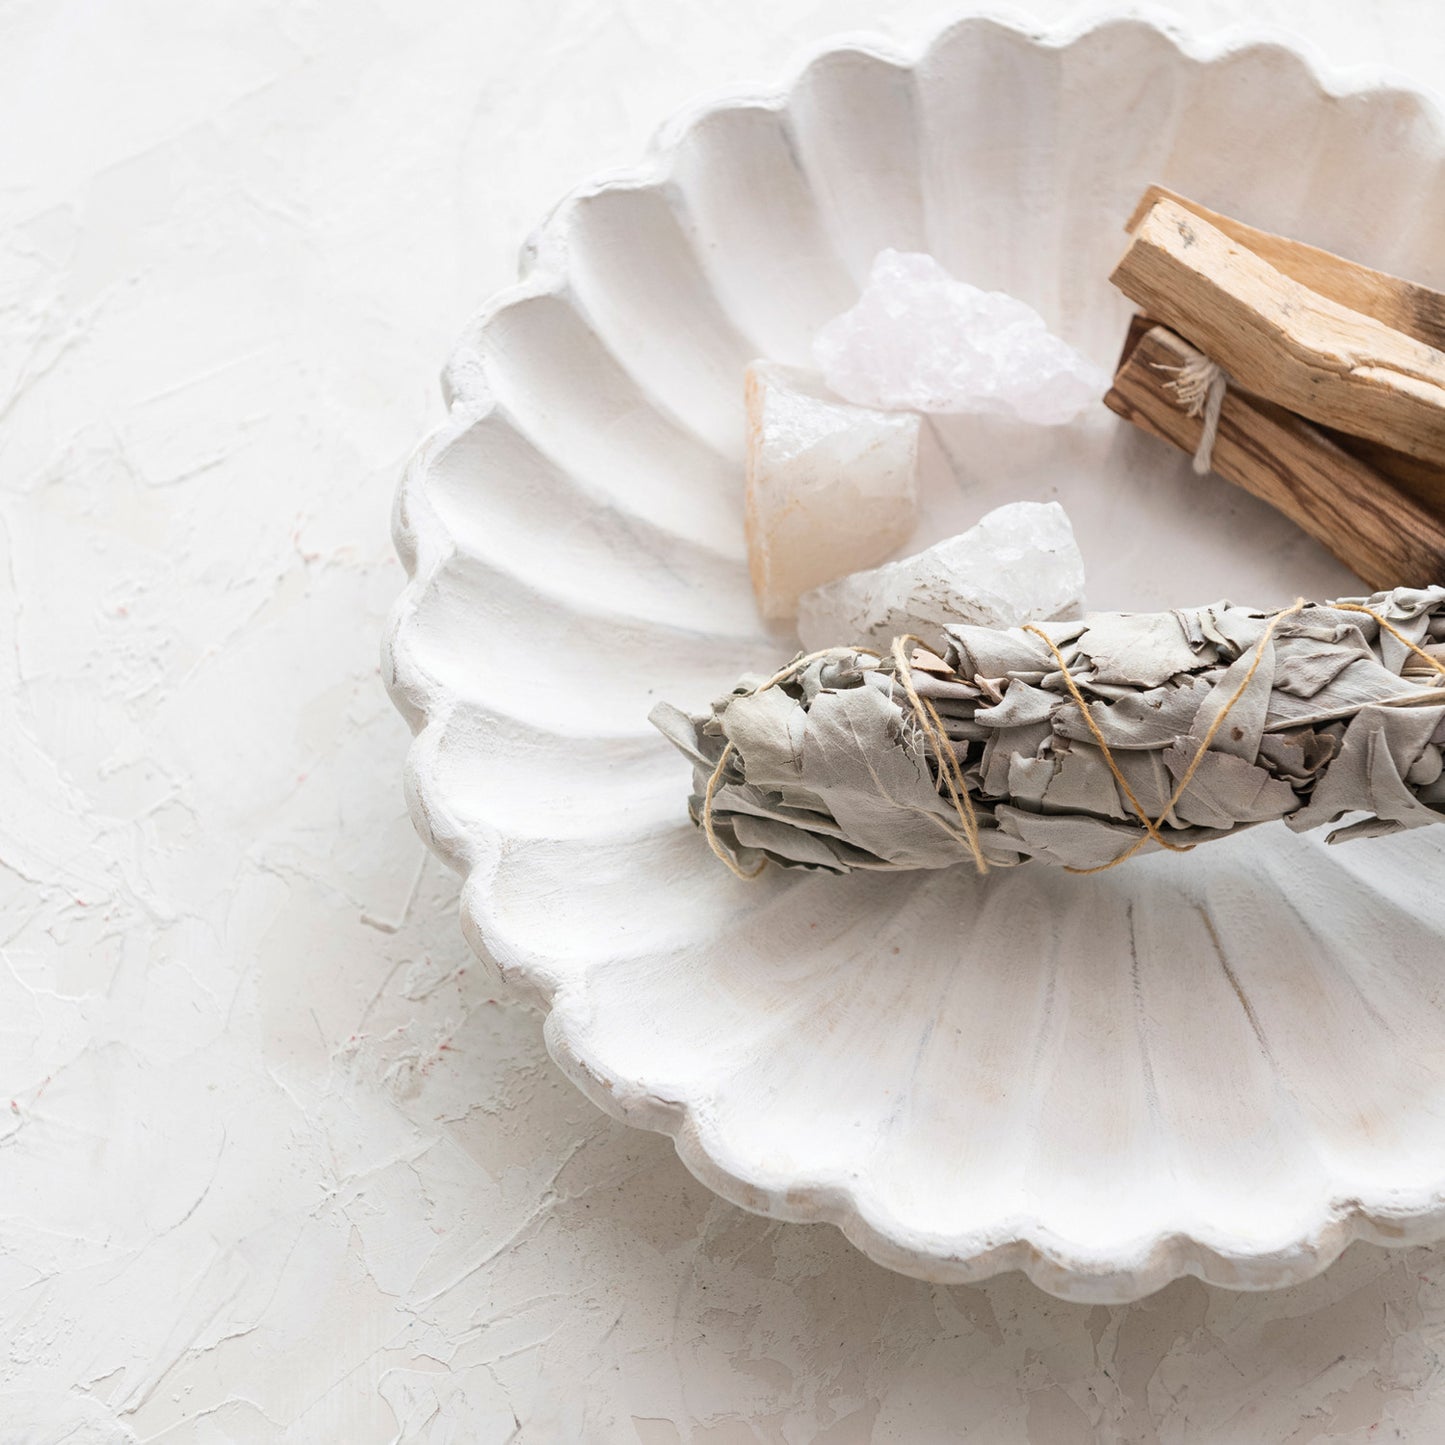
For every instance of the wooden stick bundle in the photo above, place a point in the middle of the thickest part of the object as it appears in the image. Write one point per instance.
(1385, 535)
(1333, 380)
(1283, 340)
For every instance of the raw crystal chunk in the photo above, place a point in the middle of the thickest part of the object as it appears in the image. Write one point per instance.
(918, 340)
(830, 487)
(1019, 564)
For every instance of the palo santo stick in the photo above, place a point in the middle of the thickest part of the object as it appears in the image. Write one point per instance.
(1283, 341)
(1373, 527)
(1422, 480)
(1404, 305)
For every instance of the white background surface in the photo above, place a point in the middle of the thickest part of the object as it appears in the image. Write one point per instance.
(276, 1162)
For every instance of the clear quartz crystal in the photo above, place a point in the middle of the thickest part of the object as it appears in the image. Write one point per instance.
(917, 340)
(831, 487)
(1019, 564)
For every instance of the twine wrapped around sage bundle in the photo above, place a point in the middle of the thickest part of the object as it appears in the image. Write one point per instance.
(1079, 743)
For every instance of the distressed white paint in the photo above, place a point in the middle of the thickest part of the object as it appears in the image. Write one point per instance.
(282, 1164)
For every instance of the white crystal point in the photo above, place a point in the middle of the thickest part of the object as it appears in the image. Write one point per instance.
(1019, 564)
(831, 487)
(917, 340)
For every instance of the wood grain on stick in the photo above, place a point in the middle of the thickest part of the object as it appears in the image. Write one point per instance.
(1404, 305)
(1384, 535)
(1282, 340)
(1422, 480)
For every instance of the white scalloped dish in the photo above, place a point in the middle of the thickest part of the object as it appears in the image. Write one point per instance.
(1227, 1064)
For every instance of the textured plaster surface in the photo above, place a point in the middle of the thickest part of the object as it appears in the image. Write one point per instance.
(278, 1163)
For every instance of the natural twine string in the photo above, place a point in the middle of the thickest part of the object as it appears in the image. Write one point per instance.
(952, 774)
(1151, 829)
(791, 670)
(1394, 632)
(1200, 385)
(934, 731)
(928, 720)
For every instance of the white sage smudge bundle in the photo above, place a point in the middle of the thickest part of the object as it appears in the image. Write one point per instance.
(1079, 743)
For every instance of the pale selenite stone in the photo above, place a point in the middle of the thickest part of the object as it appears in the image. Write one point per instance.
(917, 340)
(1019, 564)
(831, 487)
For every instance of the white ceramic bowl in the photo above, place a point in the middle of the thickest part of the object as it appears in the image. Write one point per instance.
(1229, 1064)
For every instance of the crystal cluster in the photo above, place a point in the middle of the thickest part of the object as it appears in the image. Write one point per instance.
(917, 340)
(1019, 564)
(831, 487)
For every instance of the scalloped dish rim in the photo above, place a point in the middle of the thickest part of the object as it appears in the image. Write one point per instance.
(1061, 1267)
